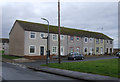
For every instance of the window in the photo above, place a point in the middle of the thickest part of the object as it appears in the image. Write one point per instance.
(86, 39)
(97, 49)
(101, 40)
(78, 38)
(97, 41)
(61, 37)
(110, 42)
(71, 49)
(107, 41)
(32, 49)
(78, 50)
(54, 37)
(71, 38)
(91, 39)
(32, 35)
(54, 49)
(3, 43)
(42, 35)
(85, 50)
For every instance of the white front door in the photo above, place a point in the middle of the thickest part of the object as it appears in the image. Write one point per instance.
(62, 50)
(101, 50)
(91, 51)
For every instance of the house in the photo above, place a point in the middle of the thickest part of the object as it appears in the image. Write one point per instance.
(4, 45)
(26, 40)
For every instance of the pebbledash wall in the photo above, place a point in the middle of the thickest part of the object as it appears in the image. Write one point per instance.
(21, 41)
(68, 45)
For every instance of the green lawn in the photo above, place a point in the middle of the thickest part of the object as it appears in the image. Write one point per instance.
(9, 57)
(108, 67)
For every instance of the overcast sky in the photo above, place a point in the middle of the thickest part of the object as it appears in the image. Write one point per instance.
(92, 16)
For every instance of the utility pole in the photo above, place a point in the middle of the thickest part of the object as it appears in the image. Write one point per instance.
(59, 58)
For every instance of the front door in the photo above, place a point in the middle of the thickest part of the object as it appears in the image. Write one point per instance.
(62, 50)
(42, 50)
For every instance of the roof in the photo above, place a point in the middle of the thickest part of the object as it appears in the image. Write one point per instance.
(37, 27)
(4, 40)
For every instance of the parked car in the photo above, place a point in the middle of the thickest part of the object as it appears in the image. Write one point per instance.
(75, 56)
(118, 54)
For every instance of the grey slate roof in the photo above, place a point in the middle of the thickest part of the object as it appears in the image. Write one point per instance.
(37, 27)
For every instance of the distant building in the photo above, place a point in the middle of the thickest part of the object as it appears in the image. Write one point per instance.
(26, 40)
(4, 45)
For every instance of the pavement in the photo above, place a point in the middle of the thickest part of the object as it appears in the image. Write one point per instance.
(68, 73)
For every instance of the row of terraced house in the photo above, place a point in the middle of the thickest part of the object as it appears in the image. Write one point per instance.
(26, 39)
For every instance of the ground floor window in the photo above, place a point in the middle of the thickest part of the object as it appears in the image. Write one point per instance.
(54, 49)
(32, 50)
(71, 49)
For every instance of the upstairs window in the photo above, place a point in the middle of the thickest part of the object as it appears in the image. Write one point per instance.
(85, 39)
(71, 38)
(110, 42)
(32, 35)
(62, 37)
(78, 38)
(107, 41)
(42, 35)
(54, 37)
(97, 41)
(101, 40)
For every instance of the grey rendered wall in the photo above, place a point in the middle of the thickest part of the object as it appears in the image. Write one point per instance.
(16, 41)
(108, 45)
(75, 44)
(37, 42)
(63, 43)
(42, 42)
(89, 44)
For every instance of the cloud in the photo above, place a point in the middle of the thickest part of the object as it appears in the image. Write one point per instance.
(87, 16)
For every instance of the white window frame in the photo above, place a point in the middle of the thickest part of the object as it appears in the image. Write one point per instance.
(35, 49)
(43, 35)
(30, 35)
(61, 37)
(56, 37)
(56, 50)
(86, 38)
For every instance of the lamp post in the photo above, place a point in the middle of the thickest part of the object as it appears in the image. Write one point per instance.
(48, 40)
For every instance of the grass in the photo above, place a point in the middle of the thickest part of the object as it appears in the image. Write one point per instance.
(9, 57)
(108, 67)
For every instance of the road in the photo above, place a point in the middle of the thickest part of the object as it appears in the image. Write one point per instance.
(14, 72)
(40, 62)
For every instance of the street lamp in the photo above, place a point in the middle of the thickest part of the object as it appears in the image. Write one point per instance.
(48, 40)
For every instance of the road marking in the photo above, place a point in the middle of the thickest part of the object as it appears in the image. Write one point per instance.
(16, 64)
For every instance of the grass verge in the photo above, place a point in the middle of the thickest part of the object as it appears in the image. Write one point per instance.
(9, 57)
(108, 67)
